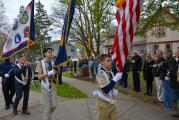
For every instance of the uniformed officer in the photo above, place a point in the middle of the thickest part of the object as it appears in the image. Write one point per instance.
(136, 66)
(8, 86)
(105, 93)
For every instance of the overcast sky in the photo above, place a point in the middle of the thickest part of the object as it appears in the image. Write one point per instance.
(12, 7)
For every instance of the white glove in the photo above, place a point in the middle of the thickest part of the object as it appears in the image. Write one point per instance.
(117, 77)
(52, 72)
(133, 61)
(167, 78)
(6, 75)
(154, 65)
(115, 92)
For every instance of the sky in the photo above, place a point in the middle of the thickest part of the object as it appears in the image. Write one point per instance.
(12, 7)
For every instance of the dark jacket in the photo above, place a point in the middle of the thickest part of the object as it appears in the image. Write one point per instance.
(160, 70)
(126, 67)
(6, 68)
(147, 70)
(136, 63)
(18, 71)
(172, 68)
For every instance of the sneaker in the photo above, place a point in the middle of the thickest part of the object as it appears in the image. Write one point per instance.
(26, 112)
(15, 111)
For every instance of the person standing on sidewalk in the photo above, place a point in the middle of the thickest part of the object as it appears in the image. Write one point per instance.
(158, 73)
(105, 93)
(8, 85)
(170, 78)
(148, 74)
(136, 66)
(175, 86)
(46, 75)
(23, 74)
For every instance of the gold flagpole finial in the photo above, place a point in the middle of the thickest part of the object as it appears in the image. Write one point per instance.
(119, 3)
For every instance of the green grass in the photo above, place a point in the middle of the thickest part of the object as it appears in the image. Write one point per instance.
(129, 91)
(64, 90)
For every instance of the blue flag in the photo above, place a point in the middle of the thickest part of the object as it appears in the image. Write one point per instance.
(62, 54)
(22, 34)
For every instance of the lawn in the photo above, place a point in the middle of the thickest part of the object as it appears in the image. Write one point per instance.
(129, 91)
(64, 90)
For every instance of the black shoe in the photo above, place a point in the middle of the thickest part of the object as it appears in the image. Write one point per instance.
(26, 112)
(175, 115)
(15, 111)
(7, 107)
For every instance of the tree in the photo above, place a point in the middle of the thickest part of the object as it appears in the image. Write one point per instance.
(153, 16)
(42, 26)
(91, 22)
(4, 26)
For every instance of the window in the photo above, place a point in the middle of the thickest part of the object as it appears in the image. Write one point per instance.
(155, 48)
(168, 46)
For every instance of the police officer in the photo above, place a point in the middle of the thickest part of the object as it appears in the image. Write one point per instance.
(136, 65)
(8, 86)
(23, 74)
(105, 93)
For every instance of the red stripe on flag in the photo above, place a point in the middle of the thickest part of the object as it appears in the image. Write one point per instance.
(128, 28)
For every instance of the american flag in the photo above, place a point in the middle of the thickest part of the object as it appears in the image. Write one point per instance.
(127, 17)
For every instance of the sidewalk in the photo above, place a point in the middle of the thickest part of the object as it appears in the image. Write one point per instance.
(85, 109)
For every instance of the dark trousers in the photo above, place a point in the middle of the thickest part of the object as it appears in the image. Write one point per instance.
(8, 90)
(60, 79)
(136, 80)
(21, 89)
(149, 85)
(124, 80)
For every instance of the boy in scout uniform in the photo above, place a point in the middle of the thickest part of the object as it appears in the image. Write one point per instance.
(105, 93)
(46, 74)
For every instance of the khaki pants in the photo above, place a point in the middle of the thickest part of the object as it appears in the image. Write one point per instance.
(106, 111)
(49, 102)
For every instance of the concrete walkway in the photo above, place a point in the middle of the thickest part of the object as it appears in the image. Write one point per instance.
(85, 109)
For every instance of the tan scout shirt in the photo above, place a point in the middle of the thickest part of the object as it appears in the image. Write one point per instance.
(102, 79)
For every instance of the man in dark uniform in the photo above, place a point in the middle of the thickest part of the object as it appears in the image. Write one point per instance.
(136, 65)
(8, 86)
(23, 74)
(125, 72)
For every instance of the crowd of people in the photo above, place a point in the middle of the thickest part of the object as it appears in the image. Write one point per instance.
(162, 68)
(16, 80)
(159, 70)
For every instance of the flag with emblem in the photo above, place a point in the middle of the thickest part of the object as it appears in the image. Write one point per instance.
(62, 53)
(22, 34)
(127, 15)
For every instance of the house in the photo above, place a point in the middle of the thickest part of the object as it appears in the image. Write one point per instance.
(71, 50)
(168, 39)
